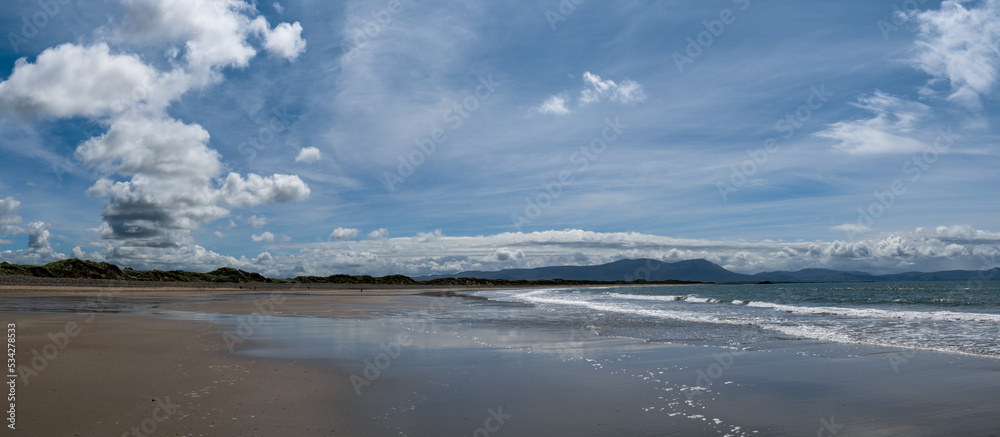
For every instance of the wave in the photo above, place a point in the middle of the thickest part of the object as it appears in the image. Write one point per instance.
(942, 315)
(541, 296)
(944, 331)
(668, 298)
(950, 316)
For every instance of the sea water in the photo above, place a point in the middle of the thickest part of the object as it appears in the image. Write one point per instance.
(944, 316)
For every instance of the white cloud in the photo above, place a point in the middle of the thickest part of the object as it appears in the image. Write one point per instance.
(555, 105)
(427, 237)
(507, 254)
(308, 155)
(31, 256)
(10, 221)
(958, 43)
(189, 257)
(285, 41)
(219, 234)
(39, 249)
(172, 186)
(101, 188)
(278, 8)
(257, 222)
(70, 81)
(341, 234)
(628, 92)
(256, 189)
(213, 34)
(851, 228)
(161, 147)
(379, 234)
(266, 237)
(595, 89)
(891, 130)
(39, 235)
(94, 81)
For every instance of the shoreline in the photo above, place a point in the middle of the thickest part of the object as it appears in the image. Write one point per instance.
(137, 287)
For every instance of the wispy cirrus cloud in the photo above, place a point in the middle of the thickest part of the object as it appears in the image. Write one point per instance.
(852, 228)
(595, 90)
(891, 130)
(554, 105)
(958, 44)
(628, 91)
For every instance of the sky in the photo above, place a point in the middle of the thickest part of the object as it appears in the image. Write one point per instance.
(431, 137)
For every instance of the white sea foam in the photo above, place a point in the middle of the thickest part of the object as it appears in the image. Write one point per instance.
(544, 297)
(948, 331)
(695, 299)
(953, 316)
(667, 298)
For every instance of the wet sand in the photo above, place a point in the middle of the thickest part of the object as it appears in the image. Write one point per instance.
(98, 364)
(401, 363)
(162, 377)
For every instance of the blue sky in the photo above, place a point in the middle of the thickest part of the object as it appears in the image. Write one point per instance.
(412, 137)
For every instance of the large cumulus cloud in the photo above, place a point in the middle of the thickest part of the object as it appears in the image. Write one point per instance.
(161, 176)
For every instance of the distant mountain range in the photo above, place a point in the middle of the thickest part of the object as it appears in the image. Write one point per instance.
(703, 271)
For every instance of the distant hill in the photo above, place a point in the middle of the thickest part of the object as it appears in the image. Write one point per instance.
(815, 275)
(704, 271)
(948, 275)
(823, 275)
(628, 270)
(83, 269)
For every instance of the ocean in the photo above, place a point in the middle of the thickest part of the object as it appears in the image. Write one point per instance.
(951, 317)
